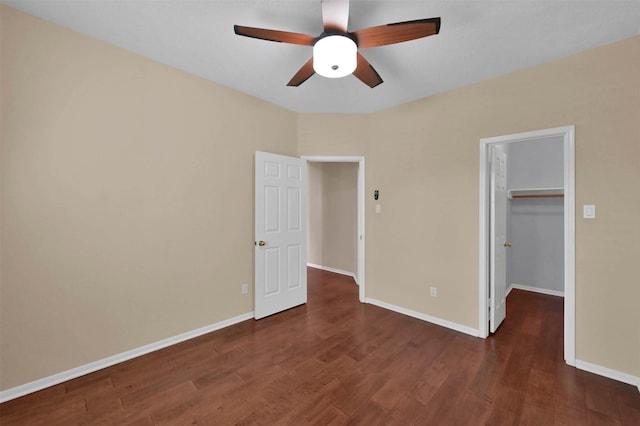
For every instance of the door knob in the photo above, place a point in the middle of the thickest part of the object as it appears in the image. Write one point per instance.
(507, 244)
(262, 243)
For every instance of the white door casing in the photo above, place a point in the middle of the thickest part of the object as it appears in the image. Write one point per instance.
(280, 233)
(498, 228)
(568, 135)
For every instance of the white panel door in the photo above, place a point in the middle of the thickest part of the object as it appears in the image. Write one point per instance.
(498, 267)
(280, 233)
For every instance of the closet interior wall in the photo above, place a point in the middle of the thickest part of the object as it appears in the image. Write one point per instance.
(535, 226)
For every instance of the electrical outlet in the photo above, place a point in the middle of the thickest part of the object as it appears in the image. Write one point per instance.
(434, 291)
(245, 288)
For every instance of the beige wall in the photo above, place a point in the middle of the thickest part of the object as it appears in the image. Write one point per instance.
(333, 208)
(424, 159)
(333, 134)
(127, 198)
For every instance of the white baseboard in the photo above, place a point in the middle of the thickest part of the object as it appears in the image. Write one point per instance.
(334, 270)
(607, 372)
(428, 318)
(64, 376)
(535, 290)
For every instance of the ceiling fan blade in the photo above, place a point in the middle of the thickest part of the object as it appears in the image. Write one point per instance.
(366, 73)
(275, 35)
(335, 15)
(397, 33)
(303, 74)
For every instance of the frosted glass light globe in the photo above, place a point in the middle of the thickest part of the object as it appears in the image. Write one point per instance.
(335, 56)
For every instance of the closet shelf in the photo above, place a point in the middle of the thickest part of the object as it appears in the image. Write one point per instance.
(536, 193)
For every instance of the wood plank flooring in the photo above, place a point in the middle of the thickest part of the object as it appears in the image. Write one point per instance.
(338, 362)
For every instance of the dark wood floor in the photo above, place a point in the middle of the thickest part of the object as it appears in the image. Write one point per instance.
(336, 361)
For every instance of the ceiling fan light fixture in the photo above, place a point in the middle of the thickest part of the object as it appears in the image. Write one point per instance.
(335, 56)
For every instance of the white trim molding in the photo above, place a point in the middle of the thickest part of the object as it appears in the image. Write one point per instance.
(536, 290)
(64, 376)
(609, 373)
(424, 317)
(568, 135)
(334, 270)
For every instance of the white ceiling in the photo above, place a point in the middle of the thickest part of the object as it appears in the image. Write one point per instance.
(479, 39)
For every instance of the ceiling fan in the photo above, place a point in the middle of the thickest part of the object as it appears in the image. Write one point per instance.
(335, 51)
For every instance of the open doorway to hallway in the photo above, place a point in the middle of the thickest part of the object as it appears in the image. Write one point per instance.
(332, 211)
(336, 216)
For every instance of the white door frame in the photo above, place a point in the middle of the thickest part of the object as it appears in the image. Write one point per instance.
(360, 245)
(568, 135)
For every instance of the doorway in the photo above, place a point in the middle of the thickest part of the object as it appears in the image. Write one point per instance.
(332, 213)
(359, 235)
(566, 135)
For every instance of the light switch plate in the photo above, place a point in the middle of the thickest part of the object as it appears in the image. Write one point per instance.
(589, 211)
(377, 208)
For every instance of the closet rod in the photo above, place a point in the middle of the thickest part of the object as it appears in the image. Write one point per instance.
(537, 196)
